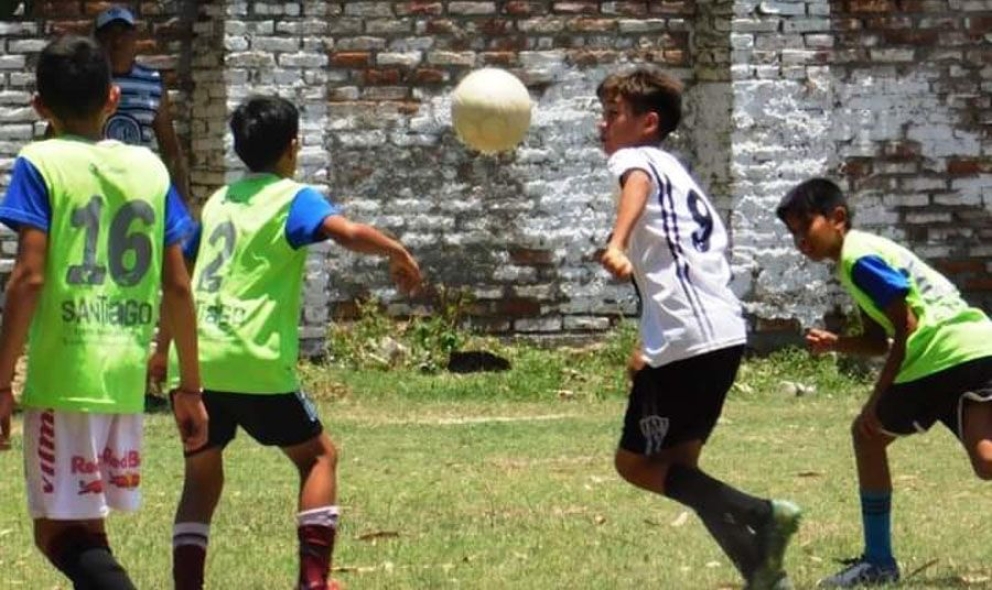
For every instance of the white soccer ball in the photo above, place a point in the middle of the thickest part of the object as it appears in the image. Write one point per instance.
(490, 110)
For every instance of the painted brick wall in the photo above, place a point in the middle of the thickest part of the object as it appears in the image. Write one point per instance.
(888, 96)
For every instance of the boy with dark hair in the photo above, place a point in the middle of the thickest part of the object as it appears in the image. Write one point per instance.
(99, 230)
(248, 281)
(670, 239)
(938, 365)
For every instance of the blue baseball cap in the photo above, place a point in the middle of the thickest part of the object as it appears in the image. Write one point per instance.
(114, 13)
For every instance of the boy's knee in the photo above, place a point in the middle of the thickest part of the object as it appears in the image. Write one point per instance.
(863, 440)
(327, 453)
(318, 453)
(622, 466)
(981, 462)
(629, 466)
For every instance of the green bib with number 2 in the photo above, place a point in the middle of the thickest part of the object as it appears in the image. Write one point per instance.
(248, 281)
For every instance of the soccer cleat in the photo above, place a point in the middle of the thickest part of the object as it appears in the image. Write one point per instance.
(773, 538)
(861, 572)
(333, 585)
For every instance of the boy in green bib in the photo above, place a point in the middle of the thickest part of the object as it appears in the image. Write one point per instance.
(100, 230)
(250, 260)
(938, 365)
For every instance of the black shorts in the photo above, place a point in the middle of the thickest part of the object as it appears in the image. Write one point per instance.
(914, 406)
(281, 420)
(678, 402)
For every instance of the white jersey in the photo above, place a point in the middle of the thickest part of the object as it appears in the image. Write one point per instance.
(678, 249)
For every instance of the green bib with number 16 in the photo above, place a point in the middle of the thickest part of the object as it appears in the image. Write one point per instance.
(247, 283)
(99, 305)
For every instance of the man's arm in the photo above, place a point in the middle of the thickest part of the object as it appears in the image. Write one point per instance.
(22, 293)
(168, 145)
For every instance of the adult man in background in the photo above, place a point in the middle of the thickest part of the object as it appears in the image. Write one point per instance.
(143, 115)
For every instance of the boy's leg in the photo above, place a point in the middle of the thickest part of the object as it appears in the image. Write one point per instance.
(650, 473)
(78, 466)
(202, 487)
(316, 461)
(79, 549)
(875, 483)
(670, 414)
(877, 565)
(289, 421)
(976, 434)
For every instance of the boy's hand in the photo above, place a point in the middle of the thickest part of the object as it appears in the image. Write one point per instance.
(635, 363)
(820, 341)
(405, 273)
(191, 418)
(158, 364)
(6, 409)
(617, 263)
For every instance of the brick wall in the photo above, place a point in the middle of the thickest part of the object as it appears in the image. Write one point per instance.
(889, 96)
(916, 79)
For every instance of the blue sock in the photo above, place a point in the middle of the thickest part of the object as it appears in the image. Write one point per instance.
(876, 514)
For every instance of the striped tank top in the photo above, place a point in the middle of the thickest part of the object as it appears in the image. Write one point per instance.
(141, 96)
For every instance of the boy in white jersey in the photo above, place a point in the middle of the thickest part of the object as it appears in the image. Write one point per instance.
(99, 235)
(938, 364)
(250, 264)
(670, 239)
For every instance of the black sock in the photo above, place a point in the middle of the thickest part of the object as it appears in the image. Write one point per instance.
(737, 542)
(705, 495)
(85, 559)
(731, 516)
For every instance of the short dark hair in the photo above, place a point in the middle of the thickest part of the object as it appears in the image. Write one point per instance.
(263, 127)
(647, 90)
(73, 77)
(816, 196)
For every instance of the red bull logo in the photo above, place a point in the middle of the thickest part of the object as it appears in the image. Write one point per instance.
(81, 465)
(125, 481)
(125, 460)
(91, 487)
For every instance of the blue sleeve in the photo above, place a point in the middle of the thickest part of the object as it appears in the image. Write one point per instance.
(306, 214)
(191, 246)
(882, 283)
(26, 201)
(178, 223)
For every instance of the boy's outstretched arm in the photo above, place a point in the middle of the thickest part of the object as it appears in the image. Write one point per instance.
(179, 319)
(636, 188)
(366, 239)
(872, 340)
(22, 293)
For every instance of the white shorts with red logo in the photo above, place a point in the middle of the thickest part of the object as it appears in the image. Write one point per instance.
(78, 466)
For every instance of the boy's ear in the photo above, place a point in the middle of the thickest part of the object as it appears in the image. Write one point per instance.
(652, 122)
(113, 98)
(40, 107)
(839, 216)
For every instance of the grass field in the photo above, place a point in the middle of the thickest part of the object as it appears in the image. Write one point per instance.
(505, 480)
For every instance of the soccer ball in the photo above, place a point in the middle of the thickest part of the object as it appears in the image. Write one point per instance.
(490, 110)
